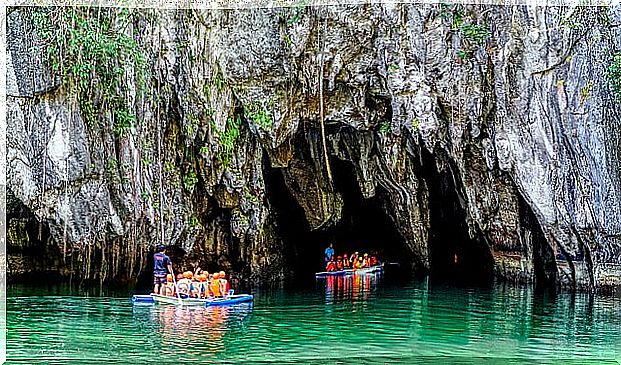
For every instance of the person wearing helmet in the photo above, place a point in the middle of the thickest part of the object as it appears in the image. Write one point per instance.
(373, 260)
(339, 263)
(161, 266)
(359, 263)
(215, 285)
(346, 264)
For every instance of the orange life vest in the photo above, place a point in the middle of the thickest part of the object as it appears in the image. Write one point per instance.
(330, 266)
(215, 288)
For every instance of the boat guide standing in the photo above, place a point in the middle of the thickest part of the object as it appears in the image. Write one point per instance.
(329, 253)
(161, 266)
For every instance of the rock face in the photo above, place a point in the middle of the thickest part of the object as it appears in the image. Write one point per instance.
(489, 134)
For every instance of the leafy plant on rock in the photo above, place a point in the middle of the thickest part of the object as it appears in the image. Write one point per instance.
(227, 139)
(90, 51)
(259, 114)
(613, 74)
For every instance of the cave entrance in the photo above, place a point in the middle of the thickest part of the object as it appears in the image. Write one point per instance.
(455, 257)
(363, 227)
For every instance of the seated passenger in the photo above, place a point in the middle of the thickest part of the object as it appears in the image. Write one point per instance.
(373, 261)
(331, 265)
(224, 284)
(365, 260)
(358, 263)
(346, 264)
(215, 285)
(169, 287)
(353, 259)
(184, 286)
(339, 263)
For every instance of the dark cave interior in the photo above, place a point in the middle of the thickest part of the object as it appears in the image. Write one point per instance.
(364, 226)
(455, 257)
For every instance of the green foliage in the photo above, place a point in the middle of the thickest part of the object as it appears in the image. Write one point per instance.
(415, 124)
(205, 150)
(111, 165)
(472, 33)
(88, 49)
(585, 91)
(392, 68)
(145, 195)
(252, 198)
(298, 11)
(385, 127)
(613, 74)
(124, 120)
(287, 39)
(146, 161)
(218, 79)
(190, 180)
(194, 222)
(259, 114)
(227, 139)
(475, 33)
(463, 55)
(193, 123)
(169, 166)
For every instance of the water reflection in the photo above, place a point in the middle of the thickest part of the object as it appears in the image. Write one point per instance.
(203, 329)
(341, 320)
(351, 287)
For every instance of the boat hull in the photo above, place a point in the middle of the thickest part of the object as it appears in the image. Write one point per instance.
(194, 302)
(365, 270)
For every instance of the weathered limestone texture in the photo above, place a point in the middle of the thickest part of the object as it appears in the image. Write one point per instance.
(521, 119)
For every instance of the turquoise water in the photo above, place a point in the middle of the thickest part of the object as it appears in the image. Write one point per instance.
(342, 320)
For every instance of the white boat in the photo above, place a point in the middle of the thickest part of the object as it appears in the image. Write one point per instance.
(364, 270)
(229, 299)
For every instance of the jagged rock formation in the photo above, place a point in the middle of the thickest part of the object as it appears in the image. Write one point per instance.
(489, 133)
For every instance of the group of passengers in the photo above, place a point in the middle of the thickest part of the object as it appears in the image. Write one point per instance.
(344, 262)
(200, 284)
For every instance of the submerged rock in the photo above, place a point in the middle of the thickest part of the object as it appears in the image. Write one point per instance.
(489, 133)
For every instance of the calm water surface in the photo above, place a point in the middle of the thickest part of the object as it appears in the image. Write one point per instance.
(343, 320)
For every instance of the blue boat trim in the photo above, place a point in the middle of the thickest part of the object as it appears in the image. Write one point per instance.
(138, 298)
(239, 298)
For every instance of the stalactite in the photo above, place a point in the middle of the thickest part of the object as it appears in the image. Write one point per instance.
(321, 106)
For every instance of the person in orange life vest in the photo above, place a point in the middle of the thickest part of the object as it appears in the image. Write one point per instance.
(331, 265)
(195, 286)
(358, 263)
(339, 263)
(346, 264)
(365, 260)
(373, 261)
(353, 259)
(215, 285)
(203, 285)
(184, 286)
(169, 288)
(224, 284)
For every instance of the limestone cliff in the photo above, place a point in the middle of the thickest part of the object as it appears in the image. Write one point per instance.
(488, 132)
